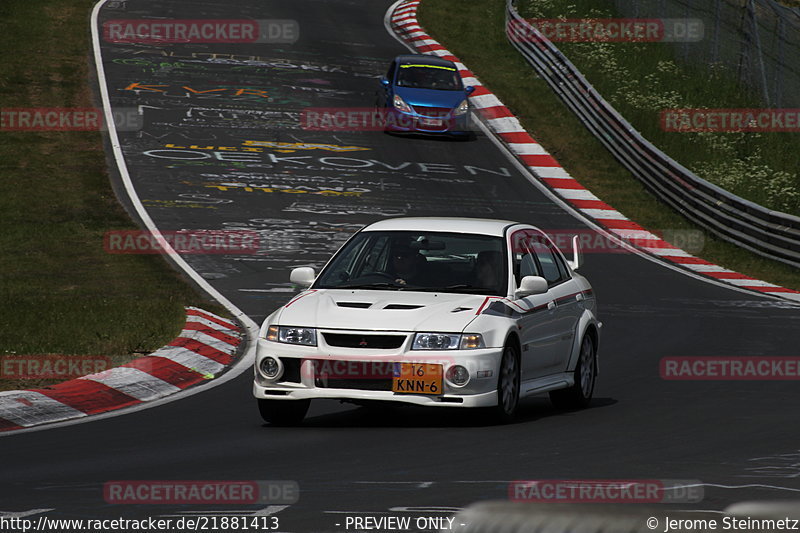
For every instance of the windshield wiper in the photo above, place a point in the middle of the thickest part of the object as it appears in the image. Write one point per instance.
(460, 288)
(381, 285)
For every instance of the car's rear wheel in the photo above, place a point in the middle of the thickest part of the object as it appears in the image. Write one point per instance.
(283, 412)
(579, 395)
(508, 386)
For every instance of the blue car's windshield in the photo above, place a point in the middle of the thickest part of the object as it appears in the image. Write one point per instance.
(419, 261)
(429, 77)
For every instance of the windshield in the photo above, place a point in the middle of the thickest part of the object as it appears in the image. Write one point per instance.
(419, 261)
(429, 77)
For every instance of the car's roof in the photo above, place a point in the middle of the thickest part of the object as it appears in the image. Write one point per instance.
(423, 60)
(479, 226)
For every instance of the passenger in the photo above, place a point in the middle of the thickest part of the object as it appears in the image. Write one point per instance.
(487, 269)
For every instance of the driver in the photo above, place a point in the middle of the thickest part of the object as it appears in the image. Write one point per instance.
(407, 264)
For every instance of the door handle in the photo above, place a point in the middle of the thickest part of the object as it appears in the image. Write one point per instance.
(580, 297)
(551, 305)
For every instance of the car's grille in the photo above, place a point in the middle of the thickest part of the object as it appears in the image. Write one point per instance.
(433, 112)
(375, 342)
(360, 375)
(357, 384)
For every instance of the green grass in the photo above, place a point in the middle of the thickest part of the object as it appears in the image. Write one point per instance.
(61, 292)
(642, 79)
(473, 31)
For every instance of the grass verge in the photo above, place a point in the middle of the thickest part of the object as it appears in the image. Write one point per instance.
(61, 292)
(473, 31)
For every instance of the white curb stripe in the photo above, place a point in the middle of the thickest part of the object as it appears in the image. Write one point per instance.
(189, 359)
(134, 382)
(527, 148)
(42, 409)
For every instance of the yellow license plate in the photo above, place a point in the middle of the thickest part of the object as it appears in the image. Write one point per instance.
(417, 378)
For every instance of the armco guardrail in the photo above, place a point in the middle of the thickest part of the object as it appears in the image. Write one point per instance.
(769, 233)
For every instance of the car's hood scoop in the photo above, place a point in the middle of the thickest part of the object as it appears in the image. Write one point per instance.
(382, 310)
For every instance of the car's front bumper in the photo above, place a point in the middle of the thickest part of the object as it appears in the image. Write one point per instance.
(300, 379)
(397, 121)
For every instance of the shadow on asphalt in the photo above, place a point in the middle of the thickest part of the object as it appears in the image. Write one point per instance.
(389, 415)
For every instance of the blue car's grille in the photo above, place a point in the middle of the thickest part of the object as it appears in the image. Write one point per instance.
(433, 112)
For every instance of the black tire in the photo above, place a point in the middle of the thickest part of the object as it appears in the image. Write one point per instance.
(579, 396)
(283, 412)
(507, 386)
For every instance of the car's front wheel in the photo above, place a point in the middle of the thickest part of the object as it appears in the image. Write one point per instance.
(508, 386)
(580, 394)
(283, 412)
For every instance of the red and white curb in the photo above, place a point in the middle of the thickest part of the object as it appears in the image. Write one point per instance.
(545, 167)
(206, 346)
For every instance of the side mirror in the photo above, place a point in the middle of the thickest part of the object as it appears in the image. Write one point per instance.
(469, 90)
(531, 285)
(576, 254)
(303, 276)
(384, 81)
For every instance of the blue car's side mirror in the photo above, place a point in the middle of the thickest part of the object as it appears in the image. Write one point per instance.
(384, 82)
(469, 90)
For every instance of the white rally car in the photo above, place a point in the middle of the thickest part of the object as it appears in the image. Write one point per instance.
(452, 312)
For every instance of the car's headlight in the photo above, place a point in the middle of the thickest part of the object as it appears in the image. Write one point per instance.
(292, 335)
(462, 108)
(400, 105)
(447, 341)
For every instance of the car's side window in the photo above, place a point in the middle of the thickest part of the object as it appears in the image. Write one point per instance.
(524, 260)
(548, 260)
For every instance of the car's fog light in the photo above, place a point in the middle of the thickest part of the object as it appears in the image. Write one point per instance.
(457, 375)
(270, 367)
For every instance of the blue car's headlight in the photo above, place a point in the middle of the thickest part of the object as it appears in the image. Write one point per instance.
(292, 335)
(400, 105)
(462, 108)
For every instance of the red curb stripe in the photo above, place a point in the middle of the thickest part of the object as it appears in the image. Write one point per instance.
(166, 370)
(221, 322)
(687, 260)
(465, 73)
(203, 349)
(480, 90)
(90, 397)
(727, 275)
(563, 183)
(6, 425)
(517, 137)
(539, 160)
(430, 47)
(774, 289)
(589, 204)
(620, 224)
(497, 111)
(217, 334)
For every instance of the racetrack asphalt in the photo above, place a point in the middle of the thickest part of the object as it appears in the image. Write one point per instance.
(191, 170)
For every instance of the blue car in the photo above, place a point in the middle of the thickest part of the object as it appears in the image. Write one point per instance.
(424, 94)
